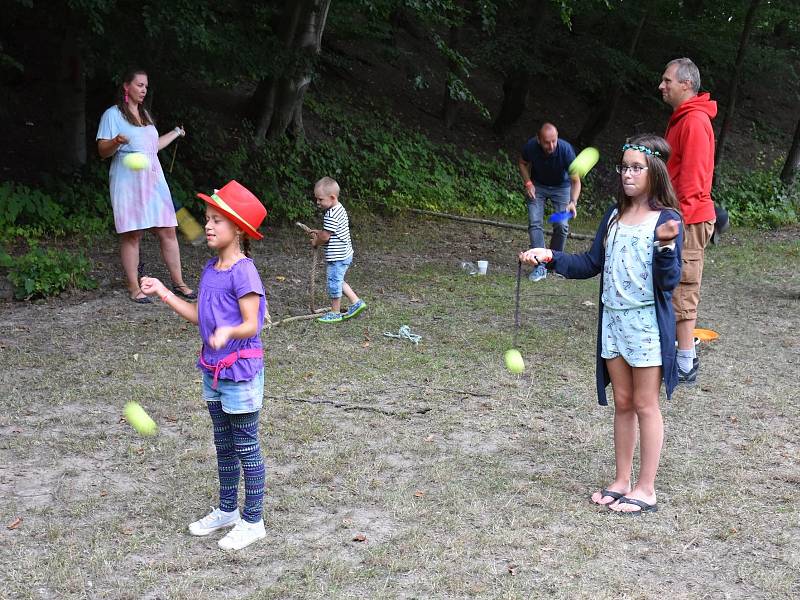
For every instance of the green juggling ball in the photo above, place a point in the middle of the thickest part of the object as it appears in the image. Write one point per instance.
(514, 362)
(584, 162)
(136, 161)
(139, 420)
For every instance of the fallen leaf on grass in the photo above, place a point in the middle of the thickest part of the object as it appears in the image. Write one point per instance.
(280, 278)
(15, 523)
(513, 569)
(359, 537)
(419, 494)
(347, 522)
(135, 357)
(16, 430)
(103, 492)
(587, 303)
(127, 530)
(365, 345)
(429, 438)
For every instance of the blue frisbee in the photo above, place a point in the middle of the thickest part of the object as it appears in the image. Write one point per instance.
(560, 217)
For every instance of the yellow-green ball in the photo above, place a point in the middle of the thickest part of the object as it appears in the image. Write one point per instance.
(138, 419)
(584, 162)
(136, 161)
(514, 362)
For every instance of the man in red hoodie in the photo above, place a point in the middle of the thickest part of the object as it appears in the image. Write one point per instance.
(691, 169)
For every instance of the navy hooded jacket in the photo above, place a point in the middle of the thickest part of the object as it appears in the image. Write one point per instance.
(666, 276)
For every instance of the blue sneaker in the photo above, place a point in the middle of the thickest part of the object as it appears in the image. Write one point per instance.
(538, 273)
(355, 309)
(330, 317)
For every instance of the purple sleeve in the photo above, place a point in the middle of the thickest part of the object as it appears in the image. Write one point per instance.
(246, 280)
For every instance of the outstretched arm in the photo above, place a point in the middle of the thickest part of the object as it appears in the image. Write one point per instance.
(187, 310)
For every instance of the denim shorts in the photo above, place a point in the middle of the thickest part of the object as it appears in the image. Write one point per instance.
(237, 397)
(336, 271)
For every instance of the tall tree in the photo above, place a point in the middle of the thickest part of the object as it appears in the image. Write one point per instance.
(517, 79)
(600, 118)
(727, 118)
(300, 29)
(792, 164)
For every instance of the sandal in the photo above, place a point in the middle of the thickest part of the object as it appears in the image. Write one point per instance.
(145, 300)
(611, 494)
(644, 507)
(176, 289)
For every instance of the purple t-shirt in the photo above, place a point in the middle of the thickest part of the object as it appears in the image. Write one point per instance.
(218, 305)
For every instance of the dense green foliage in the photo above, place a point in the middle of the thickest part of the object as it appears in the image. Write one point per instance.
(381, 166)
(49, 272)
(757, 198)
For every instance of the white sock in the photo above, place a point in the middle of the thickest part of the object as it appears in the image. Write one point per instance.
(685, 359)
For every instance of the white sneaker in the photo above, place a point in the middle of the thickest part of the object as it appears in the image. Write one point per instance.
(243, 535)
(216, 519)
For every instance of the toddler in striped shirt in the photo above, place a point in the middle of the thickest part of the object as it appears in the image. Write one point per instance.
(335, 236)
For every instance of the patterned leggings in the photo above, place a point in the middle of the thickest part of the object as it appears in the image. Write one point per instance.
(236, 440)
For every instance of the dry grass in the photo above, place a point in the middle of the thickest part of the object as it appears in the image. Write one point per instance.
(469, 482)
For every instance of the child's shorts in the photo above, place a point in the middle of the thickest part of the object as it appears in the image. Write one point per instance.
(237, 397)
(632, 333)
(336, 271)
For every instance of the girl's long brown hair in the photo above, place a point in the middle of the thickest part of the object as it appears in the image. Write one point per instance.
(144, 114)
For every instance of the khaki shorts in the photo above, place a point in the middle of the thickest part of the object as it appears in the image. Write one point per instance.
(686, 296)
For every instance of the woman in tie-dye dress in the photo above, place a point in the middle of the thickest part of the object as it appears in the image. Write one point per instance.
(140, 198)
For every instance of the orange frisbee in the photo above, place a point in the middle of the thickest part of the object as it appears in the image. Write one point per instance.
(705, 335)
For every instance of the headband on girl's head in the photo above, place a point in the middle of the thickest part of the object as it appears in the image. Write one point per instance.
(641, 148)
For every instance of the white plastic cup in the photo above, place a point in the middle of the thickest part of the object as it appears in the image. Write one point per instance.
(483, 265)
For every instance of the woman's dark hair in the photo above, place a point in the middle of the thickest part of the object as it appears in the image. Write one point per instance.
(661, 194)
(144, 114)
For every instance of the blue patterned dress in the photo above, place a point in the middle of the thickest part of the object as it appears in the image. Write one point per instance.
(630, 328)
(140, 199)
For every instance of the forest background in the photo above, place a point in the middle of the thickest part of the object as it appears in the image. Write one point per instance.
(408, 103)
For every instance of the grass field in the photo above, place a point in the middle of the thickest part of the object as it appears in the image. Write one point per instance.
(464, 480)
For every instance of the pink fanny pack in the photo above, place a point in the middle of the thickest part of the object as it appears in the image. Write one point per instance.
(228, 360)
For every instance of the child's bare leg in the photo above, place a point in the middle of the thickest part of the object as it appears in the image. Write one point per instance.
(646, 386)
(624, 429)
(348, 291)
(336, 305)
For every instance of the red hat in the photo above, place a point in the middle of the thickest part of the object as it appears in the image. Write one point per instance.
(240, 206)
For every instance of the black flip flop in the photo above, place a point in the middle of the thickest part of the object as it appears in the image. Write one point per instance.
(145, 300)
(610, 493)
(644, 506)
(177, 291)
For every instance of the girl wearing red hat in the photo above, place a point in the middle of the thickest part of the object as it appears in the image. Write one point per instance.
(230, 315)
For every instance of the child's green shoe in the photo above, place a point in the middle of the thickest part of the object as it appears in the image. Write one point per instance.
(355, 309)
(330, 317)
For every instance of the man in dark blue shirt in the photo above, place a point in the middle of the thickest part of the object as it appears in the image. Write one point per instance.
(543, 166)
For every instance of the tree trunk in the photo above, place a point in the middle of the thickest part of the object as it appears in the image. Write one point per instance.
(792, 164)
(600, 118)
(71, 117)
(450, 105)
(281, 97)
(732, 90)
(516, 84)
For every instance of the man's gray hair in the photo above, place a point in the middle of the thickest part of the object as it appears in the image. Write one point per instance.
(686, 70)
